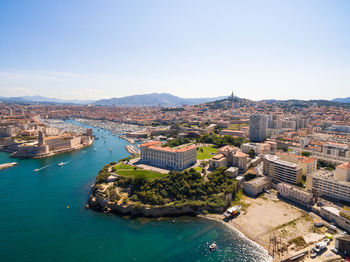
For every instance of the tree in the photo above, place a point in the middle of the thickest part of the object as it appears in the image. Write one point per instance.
(251, 153)
(307, 154)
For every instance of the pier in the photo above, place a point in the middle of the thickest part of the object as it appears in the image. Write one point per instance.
(132, 150)
(7, 165)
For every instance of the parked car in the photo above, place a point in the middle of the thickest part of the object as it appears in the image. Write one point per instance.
(333, 227)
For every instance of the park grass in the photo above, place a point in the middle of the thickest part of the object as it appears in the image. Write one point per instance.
(123, 166)
(147, 173)
(129, 170)
(198, 169)
(237, 126)
(208, 152)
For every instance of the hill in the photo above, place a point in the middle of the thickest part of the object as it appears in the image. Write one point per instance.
(342, 100)
(42, 99)
(153, 99)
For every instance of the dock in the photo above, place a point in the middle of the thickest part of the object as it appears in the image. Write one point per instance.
(132, 150)
(130, 140)
(7, 165)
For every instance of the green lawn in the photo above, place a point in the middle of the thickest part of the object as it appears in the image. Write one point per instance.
(208, 152)
(147, 173)
(129, 170)
(198, 169)
(122, 166)
(237, 126)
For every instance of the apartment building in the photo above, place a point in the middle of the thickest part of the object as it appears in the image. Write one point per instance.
(7, 131)
(332, 184)
(235, 133)
(259, 148)
(295, 194)
(229, 156)
(217, 161)
(256, 186)
(178, 158)
(281, 171)
(307, 164)
(257, 128)
(338, 217)
(336, 149)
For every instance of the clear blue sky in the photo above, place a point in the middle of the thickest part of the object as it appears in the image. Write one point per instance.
(99, 49)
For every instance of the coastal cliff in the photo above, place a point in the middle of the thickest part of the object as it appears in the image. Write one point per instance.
(101, 204)
(176, 194)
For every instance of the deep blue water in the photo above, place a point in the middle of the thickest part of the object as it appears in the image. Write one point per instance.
(36, 225)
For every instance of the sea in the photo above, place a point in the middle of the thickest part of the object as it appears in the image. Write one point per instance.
(43, 217)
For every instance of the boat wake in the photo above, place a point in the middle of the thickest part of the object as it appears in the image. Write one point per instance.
(39, 169)
(63, 163)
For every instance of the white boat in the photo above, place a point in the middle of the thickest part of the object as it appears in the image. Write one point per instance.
(232, 211)
(61, 163)
(94, 149)
(36, 170)
(110, 149)
(212, 246)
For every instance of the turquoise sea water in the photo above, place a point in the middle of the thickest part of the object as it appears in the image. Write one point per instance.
(36, 225)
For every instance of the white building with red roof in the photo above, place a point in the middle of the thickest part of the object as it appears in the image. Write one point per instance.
(179, 158)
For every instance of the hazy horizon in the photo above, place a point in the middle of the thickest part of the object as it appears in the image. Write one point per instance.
(89, 50)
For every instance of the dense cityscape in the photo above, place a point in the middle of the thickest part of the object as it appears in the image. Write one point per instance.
(261, 152)
(192, 131)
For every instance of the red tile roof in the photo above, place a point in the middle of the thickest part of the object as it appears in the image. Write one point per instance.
(345, 165)
(151, 143)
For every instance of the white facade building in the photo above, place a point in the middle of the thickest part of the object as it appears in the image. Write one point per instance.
(332, 184)
(281, 171)
(178, 158)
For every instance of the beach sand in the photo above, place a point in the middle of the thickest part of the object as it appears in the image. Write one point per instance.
(264, 218)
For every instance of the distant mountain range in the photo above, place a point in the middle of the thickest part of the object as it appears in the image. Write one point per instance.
(154, 99)
(342, 100)
(42, 99)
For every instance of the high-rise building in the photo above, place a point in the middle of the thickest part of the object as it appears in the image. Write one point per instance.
(257, 128)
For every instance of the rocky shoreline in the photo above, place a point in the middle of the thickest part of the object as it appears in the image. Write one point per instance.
(98, 203)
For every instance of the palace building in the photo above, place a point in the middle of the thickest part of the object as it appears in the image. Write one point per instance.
(178, 158)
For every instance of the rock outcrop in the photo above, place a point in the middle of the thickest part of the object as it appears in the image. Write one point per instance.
(101, 204)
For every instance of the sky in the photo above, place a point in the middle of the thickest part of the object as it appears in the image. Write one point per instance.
(85, 49)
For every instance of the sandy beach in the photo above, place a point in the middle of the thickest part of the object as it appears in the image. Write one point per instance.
(263, 218)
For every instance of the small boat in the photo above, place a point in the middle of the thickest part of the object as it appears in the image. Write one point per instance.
(212, 246)
(110, 149)
(36, 170)
(232, 211)
(61, 163)
(94, 149)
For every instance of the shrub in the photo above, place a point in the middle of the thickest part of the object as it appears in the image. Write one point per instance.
(125, 201)
(307, 154)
